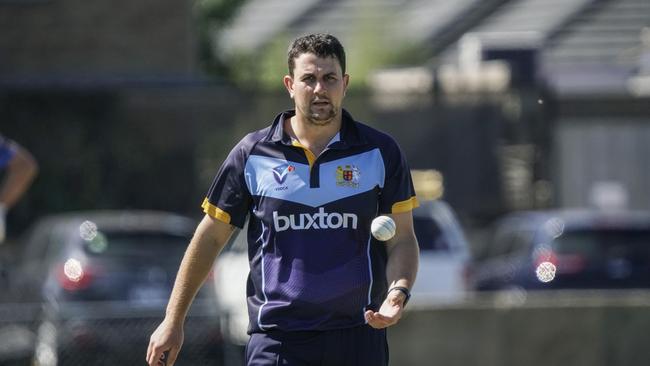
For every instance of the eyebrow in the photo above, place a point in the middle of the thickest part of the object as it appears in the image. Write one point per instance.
(307, 74)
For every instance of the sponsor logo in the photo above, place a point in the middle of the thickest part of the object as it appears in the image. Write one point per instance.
(280, 172)
(348, 176)
(318, 220)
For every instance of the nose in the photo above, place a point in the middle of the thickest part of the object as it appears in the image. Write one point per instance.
(319, 88)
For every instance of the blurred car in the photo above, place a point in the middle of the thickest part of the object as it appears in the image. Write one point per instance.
(567, 249)
(230, 276)
(444, 256)
(104, 279)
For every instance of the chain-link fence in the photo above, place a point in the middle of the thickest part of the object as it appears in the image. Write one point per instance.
(100, 334)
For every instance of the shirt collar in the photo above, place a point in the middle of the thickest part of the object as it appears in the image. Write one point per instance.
(335, 139)
(348, 135)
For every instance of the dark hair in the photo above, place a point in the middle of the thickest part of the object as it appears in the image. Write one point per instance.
(321, 44)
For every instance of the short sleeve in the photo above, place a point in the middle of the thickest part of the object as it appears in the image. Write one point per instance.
(228, 198)
(7, 151)
(397, 195)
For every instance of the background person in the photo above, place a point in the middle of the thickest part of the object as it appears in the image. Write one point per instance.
(321, 290)
(20, 169)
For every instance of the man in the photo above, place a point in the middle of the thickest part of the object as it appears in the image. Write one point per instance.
(21, 168)
(321, 290)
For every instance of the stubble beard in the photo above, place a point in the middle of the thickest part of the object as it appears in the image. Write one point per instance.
(322, 119)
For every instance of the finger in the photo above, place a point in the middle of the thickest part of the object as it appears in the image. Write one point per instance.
(368, 315)
(164, 359)
(374, 320)
(148, 353)
(153, 358)
(155, 355)
(374, 325)
(383, 321)
(377, 324)
(172, 355)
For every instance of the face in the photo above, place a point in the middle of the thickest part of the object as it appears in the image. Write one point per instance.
(317, 88)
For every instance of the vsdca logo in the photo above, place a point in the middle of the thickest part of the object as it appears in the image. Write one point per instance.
(280, 172)
(319, 220)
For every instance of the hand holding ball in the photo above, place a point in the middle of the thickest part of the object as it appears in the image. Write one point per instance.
(383, 228)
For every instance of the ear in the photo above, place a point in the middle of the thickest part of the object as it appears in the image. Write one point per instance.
(346, 81)
(288, 83)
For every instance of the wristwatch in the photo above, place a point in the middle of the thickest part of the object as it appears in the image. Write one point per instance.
(403, 290)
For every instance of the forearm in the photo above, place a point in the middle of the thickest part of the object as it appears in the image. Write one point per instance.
(199, 257)
(403, 258)
(401, 269)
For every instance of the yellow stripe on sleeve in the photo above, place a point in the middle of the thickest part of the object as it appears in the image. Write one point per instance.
(404, 206)
(215, 211)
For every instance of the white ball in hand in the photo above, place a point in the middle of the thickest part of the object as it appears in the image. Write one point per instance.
(383, 228)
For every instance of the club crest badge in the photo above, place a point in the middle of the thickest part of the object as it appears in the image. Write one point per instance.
(347, 176)
(281, 172)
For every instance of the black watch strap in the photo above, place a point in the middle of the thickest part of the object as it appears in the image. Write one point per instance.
(403, 290)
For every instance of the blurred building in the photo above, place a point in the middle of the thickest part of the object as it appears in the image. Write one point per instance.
(517, 103)
(71, 42)
(111, 98)
(546, 98)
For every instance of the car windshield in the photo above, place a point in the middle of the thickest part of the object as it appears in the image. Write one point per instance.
(136, 245)
(428, 234)
(605, 244)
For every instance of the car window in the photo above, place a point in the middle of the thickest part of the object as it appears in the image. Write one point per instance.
(38, 241)
(429, 235)
(55, 242)
(600, 244)
(136, 245)
(507, 242)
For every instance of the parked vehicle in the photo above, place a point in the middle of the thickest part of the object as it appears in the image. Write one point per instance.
(230, 277)
(567, 249)
(104, 279)
(444, 255)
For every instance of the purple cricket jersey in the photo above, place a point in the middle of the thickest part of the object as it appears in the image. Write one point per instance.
(314, 264)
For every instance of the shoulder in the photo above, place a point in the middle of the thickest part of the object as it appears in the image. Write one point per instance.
(7, 145)
(7, 151)
(5, 142)
(248, 142)
(377, 139)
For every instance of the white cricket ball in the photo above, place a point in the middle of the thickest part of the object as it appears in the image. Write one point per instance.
(383, 228)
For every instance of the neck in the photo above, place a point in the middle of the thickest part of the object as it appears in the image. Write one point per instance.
(312, 136)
